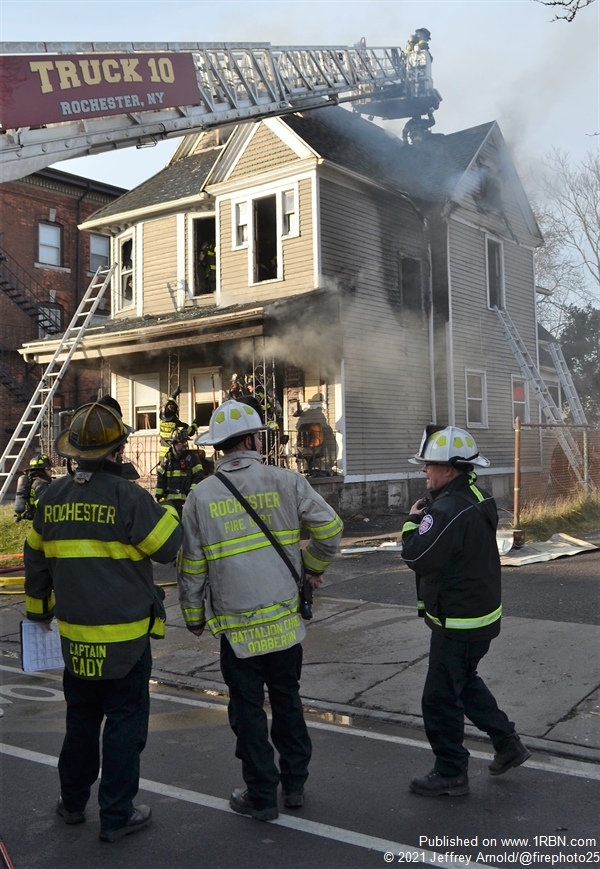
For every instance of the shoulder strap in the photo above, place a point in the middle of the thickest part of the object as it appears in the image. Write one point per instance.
(263, 527)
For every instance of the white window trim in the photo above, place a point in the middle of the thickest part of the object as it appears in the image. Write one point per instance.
(499, 241)
(59, 229)
(484, 401)
(132, 381)
(249, 198)
(195, 372)
(527, 419)
(104, 238)
(117, 306)
(189, 272)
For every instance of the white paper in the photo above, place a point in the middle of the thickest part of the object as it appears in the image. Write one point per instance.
(40, 648)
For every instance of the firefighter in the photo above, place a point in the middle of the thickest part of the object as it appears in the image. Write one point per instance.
(169, 422)
(208, 258)
(179, 472)
(417, 129)
(88, 563)
(449, 540)
(31, 485)
(253, 602)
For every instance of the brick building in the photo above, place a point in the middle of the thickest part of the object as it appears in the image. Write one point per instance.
(45, 267)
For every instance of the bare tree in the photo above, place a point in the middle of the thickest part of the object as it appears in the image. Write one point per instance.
(569, 7)
(569, 263)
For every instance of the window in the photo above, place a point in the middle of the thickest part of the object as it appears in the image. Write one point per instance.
(410, 284)
(476, 396)
(99, 251)
(520, 400)
(204, 277)
(49, 247)
(554, 390)
(289, 217)
(265, 238)
(241, 224)
(206, 395)
(146, 403)
(49, 319)
(495, 274)
(125, 272)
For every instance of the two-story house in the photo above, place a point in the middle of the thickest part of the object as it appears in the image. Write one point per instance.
(355, 283)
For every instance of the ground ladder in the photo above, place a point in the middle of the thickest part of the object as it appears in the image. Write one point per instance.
(566, 382)
(551, 412)
(41, 400)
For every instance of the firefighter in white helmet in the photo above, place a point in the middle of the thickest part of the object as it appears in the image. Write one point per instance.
(449, 540)
(240, 573)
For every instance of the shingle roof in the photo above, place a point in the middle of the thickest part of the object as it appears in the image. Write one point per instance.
(179, 180)
(429, 170)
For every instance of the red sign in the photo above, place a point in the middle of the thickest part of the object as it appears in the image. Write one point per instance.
(54, 88)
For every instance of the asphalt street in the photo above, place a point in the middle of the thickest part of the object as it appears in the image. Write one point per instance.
(358, 807)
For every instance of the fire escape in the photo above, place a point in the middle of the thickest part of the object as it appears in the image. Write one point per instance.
(32, 298)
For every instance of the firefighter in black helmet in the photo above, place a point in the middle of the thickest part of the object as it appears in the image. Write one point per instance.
(180, 470)
(170, 422)
(31, 485)
(88, 562)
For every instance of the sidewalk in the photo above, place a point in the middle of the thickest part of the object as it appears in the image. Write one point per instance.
(368, 660)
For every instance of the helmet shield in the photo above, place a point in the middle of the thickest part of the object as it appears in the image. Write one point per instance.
(95, 432)
(230, 419)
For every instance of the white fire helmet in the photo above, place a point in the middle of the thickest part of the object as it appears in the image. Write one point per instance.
(230, 419)
(448, 446)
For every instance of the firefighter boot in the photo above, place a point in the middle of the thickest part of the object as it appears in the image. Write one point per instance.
(513, 754)
(434, 785)
(241, 803)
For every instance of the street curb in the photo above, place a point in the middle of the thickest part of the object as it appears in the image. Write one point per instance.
(546, 746)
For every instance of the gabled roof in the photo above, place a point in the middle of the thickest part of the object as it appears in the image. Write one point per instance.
(177, 181)
(429, 170)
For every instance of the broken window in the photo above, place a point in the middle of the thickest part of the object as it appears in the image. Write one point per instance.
(206, 394)
(265, 238)
(289, 220)
(146, 402)
(495, 274)
(410, 285)
(241, 224)
(204, 278)
(126, 272)
(476, 398)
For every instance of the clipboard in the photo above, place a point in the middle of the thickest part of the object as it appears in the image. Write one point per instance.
(40, 649)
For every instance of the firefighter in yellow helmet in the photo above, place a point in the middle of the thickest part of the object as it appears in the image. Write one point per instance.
(88, 563)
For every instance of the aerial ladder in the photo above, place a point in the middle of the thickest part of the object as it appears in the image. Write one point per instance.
(231, 83)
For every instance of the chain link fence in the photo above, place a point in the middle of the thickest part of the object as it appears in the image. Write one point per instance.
(555, 463)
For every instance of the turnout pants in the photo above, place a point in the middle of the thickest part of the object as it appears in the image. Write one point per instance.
(126, 704)
(246, 678)
(452, 690)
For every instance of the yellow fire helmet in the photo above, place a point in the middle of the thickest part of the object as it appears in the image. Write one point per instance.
(448, 446)
(230, 419)
(95, 432)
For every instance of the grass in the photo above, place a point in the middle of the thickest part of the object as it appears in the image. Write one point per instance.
(568, 516)
(12, 535)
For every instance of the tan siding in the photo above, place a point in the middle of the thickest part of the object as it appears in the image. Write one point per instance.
(386, 354)
(160, 266)
(298, 264)
(478, 339)
(265, 151)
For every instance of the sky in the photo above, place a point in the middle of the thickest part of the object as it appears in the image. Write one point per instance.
(503, 60)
